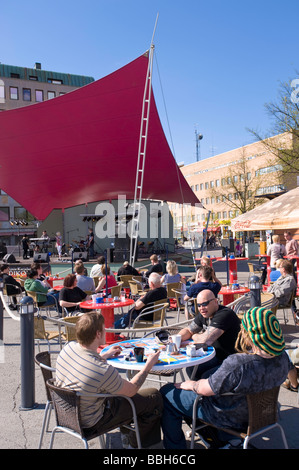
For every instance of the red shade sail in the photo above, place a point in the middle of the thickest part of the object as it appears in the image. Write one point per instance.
(83, 147)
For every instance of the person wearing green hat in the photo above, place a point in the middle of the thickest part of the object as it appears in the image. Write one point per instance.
(260, 364)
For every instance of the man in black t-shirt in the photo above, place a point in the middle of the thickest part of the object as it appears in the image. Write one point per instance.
(156, 292)
(215, 325)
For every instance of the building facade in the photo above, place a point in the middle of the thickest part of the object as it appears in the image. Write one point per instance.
(22, 86)
(231, 183)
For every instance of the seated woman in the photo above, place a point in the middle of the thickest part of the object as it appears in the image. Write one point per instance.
(45, 295)
(71, 295)
(111, 281)
(173, 275)
(13, 287)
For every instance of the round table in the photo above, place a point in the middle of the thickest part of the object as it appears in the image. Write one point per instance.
(107, 310)
(166, 361)
(229, 293)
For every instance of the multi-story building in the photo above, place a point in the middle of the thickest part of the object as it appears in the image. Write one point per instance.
(22, 86)
(228, 183)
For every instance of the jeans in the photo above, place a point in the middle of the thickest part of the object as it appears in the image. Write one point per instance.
(50, 301)
(177, 404)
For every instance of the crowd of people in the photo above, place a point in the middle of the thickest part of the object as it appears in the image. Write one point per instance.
(250, 354)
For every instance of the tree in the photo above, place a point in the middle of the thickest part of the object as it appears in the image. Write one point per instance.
(239, 186)
(284, 114)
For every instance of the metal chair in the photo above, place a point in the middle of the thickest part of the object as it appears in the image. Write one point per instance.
(180, 307)
(262, 417)
(43, 360)
(158, 313)
(254, 269)
(34, 295)
(12, 292)
(115, 291)
(40, 332)
(286, 307)
(66, 403)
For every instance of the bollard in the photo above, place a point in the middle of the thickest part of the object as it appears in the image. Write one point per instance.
(27, 355)
(255, 291)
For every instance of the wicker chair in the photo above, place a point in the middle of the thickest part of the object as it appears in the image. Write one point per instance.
(43, 360)
(262, 417)
(115, 291)
(66, 404)
(40, 332)
(48, 308)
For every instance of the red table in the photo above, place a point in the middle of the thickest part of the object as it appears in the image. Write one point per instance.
(229, 294)
(107, 310)
(51, 279)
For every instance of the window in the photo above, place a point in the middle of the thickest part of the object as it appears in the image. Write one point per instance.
(223, 182)
(224, 214)
(207, 200)
(235, 179)
(211, 184)
(33, 77)
(56, 81)
(14, 75)
(206, 185)
(2, 92)
(4, 214)
(196, 187)
(26, 94)
(249, 176)
(51, 94)
(217, 183)
(14, 93)
(39, 95)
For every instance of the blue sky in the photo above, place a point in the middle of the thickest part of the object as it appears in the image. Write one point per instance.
(219, 62)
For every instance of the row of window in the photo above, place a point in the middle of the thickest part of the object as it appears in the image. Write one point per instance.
(235, 179)
(215, 216)
(27, 94)
(35, 78)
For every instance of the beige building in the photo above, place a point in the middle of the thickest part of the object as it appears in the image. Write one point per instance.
(232, 183)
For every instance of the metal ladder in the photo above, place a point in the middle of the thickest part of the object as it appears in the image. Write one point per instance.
(141, 158)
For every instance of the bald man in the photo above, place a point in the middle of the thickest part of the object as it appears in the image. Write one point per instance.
(215, 325)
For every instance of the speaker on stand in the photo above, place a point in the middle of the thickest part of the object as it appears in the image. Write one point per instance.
(83, 255)
(41, 258)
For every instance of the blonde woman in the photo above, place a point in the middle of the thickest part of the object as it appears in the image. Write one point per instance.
(276, 251)
(172, 274)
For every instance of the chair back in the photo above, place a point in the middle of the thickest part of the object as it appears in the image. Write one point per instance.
(115, 290)
(66, 404)
(39, 328)
(262, 409)
(43, 360)
(70, 332)
(125, 280)
(33, 295)
(269, 301)
(250, 266)
(170, 286)
(134, 288)
(158, 312)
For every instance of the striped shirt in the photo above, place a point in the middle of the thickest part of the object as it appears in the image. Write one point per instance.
(85, 371)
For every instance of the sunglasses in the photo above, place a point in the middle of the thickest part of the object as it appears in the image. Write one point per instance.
(205, 304)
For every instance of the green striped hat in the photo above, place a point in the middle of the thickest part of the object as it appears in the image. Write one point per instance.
(264, 330)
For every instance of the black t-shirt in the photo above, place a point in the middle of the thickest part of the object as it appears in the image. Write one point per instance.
(127, 270)
(155, 268)
(225, 319)
(72, 295)
(151, 296)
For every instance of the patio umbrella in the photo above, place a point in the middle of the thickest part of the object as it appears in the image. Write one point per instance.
(279, 213)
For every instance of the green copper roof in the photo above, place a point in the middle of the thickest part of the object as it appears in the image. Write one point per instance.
(24, 73)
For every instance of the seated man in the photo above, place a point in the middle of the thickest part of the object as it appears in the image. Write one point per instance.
(260, 364)
(203, 276)
(84, 282)
(13, 287)
(215, 325)
(80, 367)
(156, 266)
(156, 292)
(285, 285)
(127, 269)
(96, 269)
